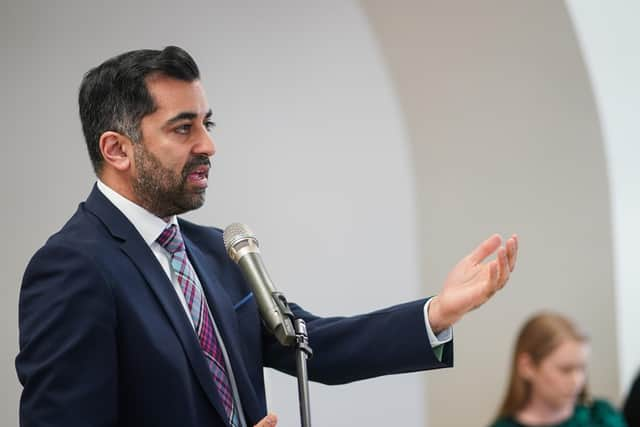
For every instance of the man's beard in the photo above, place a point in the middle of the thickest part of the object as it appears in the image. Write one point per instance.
(162, 191)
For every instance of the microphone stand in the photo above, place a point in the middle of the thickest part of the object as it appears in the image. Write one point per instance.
(303, 352)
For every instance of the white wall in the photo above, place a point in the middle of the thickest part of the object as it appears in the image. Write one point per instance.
(505, 138)
(610, 41)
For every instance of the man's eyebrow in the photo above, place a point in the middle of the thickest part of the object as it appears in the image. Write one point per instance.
(187, 115)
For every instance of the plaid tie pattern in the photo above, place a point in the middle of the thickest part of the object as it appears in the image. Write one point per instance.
(172, 241)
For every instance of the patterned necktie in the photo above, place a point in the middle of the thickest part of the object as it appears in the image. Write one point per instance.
(172, 241)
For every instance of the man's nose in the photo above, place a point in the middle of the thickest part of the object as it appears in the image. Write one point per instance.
(205, 144)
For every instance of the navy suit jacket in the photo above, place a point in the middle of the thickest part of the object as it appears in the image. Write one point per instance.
(104, 340)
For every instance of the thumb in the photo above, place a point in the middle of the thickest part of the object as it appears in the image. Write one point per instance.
(269, 421)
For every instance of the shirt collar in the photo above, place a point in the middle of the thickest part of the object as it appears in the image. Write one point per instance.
(148, 225)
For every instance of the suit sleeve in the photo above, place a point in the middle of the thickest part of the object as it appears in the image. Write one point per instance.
(389, 341)
(67, 362)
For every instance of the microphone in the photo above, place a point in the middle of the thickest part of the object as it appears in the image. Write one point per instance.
(242, 246)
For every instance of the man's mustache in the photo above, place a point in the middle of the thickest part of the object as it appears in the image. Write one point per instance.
(194, 163)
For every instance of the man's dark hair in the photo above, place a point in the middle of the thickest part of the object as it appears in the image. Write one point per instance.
(114, 96)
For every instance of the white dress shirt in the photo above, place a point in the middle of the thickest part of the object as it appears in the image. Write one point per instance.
(150, 227)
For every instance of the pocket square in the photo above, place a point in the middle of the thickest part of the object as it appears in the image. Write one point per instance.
(243, 301)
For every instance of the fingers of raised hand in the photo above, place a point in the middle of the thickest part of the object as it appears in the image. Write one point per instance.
(492, 279)
(503, 268)
(512, 251)
(485, 249)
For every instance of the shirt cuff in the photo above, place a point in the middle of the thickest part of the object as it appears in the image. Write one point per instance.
(443, 337)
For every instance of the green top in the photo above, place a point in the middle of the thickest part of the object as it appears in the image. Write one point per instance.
(599, 414)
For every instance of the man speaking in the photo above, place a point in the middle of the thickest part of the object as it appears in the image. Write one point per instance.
(132, 316)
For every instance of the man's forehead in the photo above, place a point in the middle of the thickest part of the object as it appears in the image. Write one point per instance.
(172, 96)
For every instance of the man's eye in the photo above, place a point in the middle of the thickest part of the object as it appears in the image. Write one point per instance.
(209, 125)
(184, 129)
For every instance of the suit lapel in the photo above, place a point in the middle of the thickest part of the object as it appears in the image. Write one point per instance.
(141, 255)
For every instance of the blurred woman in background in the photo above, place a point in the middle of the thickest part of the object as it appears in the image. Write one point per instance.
(548, 386)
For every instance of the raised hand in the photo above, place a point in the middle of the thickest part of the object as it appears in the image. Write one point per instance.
(472, 281)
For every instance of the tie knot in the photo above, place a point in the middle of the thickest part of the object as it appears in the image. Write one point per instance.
(171, 240)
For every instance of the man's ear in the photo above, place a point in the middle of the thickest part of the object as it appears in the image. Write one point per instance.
(116, 150)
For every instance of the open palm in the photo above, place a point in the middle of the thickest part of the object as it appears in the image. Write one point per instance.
(472, 281)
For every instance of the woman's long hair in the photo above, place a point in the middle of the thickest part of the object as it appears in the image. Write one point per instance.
(539, 337)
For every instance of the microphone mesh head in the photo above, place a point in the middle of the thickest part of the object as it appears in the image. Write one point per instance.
(236, 232)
